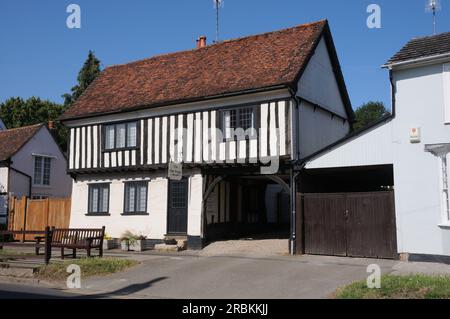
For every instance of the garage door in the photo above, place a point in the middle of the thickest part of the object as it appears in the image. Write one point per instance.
(350, 224)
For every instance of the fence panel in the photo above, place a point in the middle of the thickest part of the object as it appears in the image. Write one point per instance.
(35, 215)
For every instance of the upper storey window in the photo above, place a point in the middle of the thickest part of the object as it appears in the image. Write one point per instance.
(239, 118)
(121, 136)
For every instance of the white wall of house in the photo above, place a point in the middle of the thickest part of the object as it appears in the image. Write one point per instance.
(419, 96)
(318, 84)
(360, 150)
(420, 103)
(42, 143)
(318, 129)
(153, 225)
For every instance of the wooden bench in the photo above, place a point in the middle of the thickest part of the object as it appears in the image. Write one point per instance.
(74, 239)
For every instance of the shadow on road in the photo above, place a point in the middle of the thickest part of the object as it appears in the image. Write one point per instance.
(27, 292)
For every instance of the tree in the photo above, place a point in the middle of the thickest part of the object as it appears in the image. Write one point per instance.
(16, 112)
(369, 113)
(87, 74)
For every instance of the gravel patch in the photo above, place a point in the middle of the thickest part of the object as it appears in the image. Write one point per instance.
(247, 247)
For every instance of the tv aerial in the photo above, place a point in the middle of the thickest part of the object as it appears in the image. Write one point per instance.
(433, 6)
(217, 5)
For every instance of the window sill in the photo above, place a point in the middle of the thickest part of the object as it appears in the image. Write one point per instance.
(135, 214)
(41, 186)
(97, 214)
(444, 225)
(120, 149)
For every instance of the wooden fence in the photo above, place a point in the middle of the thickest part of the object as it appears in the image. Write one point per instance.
(27, 214)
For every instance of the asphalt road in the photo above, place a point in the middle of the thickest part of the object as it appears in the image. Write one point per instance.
(21, 291)
(225, 277)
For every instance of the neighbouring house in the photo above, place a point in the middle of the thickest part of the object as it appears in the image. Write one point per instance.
(2, 125)
(405, 154)
(237, 115)
(32, 165)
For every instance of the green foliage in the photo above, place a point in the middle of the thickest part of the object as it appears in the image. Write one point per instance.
(89, 267)
(369, 113)
(87, 74)
(16, 112)
(400, 287)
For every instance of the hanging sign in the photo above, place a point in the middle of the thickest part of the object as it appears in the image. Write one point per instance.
(175, 171)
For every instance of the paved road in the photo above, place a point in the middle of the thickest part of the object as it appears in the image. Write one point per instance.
(234, 277)
(226, 277)
(20, 291)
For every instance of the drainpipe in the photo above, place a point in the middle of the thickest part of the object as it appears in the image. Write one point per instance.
(294, 172)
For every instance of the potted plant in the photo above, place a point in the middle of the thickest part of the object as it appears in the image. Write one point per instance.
(133, 242)
(109, 242)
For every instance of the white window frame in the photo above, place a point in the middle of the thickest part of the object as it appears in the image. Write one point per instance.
(446, 88)
(229, 131)
(445, 200)
(42, 168)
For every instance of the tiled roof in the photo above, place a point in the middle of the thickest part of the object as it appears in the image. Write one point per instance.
(251, 63)
(422, 48)
(11, 141)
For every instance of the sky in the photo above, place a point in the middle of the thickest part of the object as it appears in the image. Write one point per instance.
(41, 56)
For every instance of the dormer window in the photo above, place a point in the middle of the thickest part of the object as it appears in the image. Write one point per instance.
(121, 136)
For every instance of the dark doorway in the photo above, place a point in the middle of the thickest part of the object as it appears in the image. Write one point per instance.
(178, 208)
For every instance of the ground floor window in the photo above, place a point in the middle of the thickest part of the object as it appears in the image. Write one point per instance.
(98, 199)
(444, 185)
(136, 197)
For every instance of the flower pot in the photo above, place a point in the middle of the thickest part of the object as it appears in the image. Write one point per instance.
(124, 245)
(139, 245)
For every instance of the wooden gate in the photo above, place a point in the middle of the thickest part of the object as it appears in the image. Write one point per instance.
(26, 214)
(349, 224)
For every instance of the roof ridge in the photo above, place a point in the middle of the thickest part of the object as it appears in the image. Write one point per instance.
(324, 21)
(21, 127)
(430, 36)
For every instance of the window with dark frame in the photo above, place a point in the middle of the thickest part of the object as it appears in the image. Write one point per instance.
(98, 199)
(121, 136)
(136, 197)
(239, 118)
(42, 168)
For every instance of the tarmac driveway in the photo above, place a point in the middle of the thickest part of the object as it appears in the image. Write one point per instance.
(237, 277)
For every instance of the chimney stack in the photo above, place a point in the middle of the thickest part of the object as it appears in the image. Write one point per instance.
(201, 42)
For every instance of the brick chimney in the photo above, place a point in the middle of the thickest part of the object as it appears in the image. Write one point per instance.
(201, 42)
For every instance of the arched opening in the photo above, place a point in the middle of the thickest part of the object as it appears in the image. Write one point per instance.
(246, 207)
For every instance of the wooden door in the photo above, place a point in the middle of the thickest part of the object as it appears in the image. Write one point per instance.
(178, 207)
(350, 224)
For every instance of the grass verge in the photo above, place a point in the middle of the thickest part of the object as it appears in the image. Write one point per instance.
(399, 287)
(13, 253)
(89, 267)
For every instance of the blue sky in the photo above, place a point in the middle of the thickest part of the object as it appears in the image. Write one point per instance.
(40, 56)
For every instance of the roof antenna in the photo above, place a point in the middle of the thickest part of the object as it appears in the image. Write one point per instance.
(433, 6)
(217, 5)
